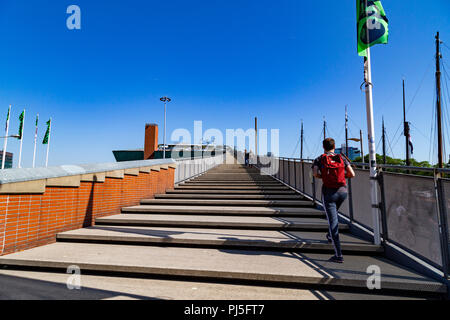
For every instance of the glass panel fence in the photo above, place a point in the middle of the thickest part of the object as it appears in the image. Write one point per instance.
(308, 179)
(411, 209)
(446, 185)
(361, 199)
(292, 173)
(298, 177)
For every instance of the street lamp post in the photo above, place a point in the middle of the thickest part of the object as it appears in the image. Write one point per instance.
(165, 100)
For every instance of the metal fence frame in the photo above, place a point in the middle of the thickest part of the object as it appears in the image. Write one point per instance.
(191, 168)
(284, 175)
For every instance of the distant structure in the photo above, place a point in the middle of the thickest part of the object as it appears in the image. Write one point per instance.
(353, 153)
(8, 159)
(153, 150)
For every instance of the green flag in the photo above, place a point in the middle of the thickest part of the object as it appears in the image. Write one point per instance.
(372, 25)
(47, 133)
(21, 118)
(7, 118)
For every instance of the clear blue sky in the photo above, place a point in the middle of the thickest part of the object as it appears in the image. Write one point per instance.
(222, 62)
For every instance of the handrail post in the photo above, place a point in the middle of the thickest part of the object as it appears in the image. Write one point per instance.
(442, 222)
(314, 189)
(303, 175)
(295, 174)
(384, 224)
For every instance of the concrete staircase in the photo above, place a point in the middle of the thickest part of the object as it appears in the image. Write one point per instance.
(230, 224)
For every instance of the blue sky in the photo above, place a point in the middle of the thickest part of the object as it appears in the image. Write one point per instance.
(222, 62)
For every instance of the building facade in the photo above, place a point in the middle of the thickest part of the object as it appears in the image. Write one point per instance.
(8, 159)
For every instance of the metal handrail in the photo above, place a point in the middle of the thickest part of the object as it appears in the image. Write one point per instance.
(283, 174)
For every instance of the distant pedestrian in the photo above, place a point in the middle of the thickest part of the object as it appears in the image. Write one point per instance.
(247, 158)
(333, 169)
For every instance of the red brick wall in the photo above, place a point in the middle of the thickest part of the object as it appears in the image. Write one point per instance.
(32, 220)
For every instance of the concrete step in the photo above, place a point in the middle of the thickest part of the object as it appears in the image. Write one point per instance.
(212, 187)
(33, 285)
(249, 239)
(262, 267)
(223, 222)
(229, 196)
(233, 183)
(226, 211)
(233, 192)
(228, 202)
(234, 177)
(228, 171)
(236, 184)
(235, 174)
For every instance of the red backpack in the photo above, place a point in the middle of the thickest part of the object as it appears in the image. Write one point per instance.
(333, 171)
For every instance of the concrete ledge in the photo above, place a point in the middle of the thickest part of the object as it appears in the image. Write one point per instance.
(164, 167)
(145, 169)
(173, 166)
(116, 174)
(36, 186)
(32, 174)
(93, 177)
(71, 181)
(132, 172)
(155, 168)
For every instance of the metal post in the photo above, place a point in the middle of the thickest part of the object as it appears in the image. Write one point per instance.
(350, 194)
(165, 112)
(405, 127)
(256, 136)
(35, 141)
(346, 132)
(21, 141)
(384, 143)
(443, 224)
(48, 144)
(301, 160)
(361, 141)
(5, 144)
(165, 100)
(438, 102)
(372, 148)
(383, 208)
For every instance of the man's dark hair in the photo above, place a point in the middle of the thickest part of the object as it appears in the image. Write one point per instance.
(329, 144)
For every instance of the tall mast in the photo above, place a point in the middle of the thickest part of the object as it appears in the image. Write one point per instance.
(361, 141)
(346, 132)
(438, 102)
(256, 136)
(301, 143)
(384, 142)
(405, 126)
(324, 129)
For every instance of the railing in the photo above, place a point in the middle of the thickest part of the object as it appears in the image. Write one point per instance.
(190, 168)
(414, 209)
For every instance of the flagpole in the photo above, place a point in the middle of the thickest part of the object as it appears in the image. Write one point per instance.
(372, 148)
(21, 141)
(35, 141)
(48, 144)
(5, 144)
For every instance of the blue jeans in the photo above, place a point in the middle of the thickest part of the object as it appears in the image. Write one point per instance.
(332, 201)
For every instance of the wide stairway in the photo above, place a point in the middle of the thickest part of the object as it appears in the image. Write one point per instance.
(231, 224)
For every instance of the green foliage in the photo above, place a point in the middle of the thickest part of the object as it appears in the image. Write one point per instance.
(401, 162)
